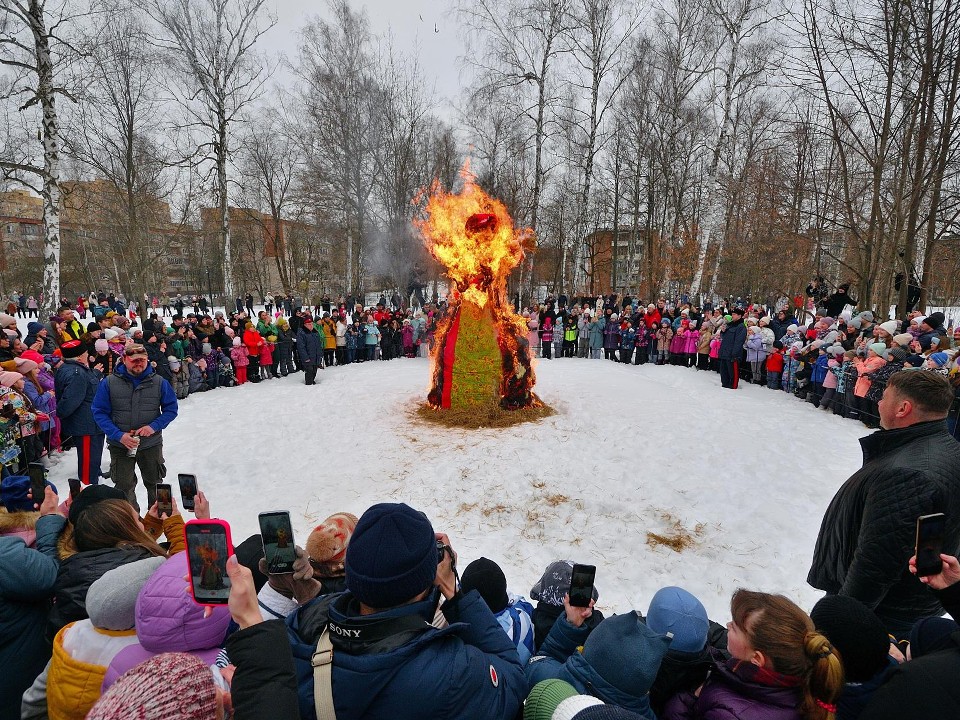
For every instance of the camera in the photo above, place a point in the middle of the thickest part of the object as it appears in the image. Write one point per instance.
(441, 551)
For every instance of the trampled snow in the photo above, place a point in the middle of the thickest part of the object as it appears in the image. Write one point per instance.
(631, 450)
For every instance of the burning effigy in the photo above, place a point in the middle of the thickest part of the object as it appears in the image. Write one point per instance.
(480, 355)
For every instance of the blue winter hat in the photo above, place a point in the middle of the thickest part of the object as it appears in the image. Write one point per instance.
(940, 358)
(674, 610)
(13, 493)
(33, 328)
(392, 555)
(626, 653)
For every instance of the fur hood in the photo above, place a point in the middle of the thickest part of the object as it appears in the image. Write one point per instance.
(20, 524)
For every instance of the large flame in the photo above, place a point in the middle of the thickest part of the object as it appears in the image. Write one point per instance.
(473, 236)
(478, 253)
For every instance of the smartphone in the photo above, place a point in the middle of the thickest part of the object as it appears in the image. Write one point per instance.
(188, 491)
(930, 532)
(74, 487)
(278, 548)
(164, 500)
(208, 547)
(38, 481)
(581, 585)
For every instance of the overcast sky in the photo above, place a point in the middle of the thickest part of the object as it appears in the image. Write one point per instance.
(423, 27)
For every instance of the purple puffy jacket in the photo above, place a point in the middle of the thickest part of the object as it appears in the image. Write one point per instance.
(733, 692)
(168, 620)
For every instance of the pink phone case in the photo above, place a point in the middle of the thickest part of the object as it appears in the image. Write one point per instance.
(193, 537)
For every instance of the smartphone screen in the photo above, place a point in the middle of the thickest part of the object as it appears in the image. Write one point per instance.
(164, 500)
(188, 491)
(930, 532)
(74, 487)
(278, 547)
(581, 585)
(38, 481)
(208, 547)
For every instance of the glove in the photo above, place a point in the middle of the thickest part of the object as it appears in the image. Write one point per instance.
(299, 584)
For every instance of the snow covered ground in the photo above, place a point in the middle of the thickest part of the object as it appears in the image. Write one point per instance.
(631, 450)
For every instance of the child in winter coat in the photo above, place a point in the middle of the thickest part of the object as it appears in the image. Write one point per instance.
(678, 342)
(266, 358)
(846, 381)
(409, 350)
(874, 361)
(818, 373)
(181, 377)
(644, 337)
(830, 380)
(546, 338)
(714, 354)
(755, 354)
(664, 338)
(791, 363)
(775, 362)
(628, 339)
(253, 341)
(513, 612)
(691, 341)
(238, 354)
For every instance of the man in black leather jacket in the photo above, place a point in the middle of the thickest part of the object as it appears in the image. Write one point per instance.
(910, 468)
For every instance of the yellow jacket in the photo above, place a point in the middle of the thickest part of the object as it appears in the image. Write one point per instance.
(81, 655)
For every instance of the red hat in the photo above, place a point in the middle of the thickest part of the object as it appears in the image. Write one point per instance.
(32, 355)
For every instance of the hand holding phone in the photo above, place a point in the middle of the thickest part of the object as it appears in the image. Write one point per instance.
(188, 491)
(208, 547)
(279, 550)
(38, 482)
(930, 534)
(581, 585)
(164, 500)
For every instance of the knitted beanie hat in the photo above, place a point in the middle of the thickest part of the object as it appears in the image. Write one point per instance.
(90, 496)
(903, 339)
(486, 577)
(392, 555)
(101, 346)
(866, 316)
(930, 635)
(327, 544)
(939, 358)
(935, 320)
(544, 698)
(879, 348)
(674, 610)
(555, 583)
(13, 493)
(607, 712)
(897, 354)
(856, 632)
(171, 686)
(112, 599)
(626, 653)
(572, 706)
(891, 326)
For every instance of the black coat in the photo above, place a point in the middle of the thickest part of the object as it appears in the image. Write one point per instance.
(732, 340)
(926, 687)
(545, 615)
(77, 573)
(869, 531)
(837, 302)
(265, 682)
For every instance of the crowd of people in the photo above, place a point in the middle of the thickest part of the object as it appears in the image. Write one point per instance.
(376, 620)
(838, 362)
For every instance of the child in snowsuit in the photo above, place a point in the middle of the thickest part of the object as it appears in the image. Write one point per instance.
(238, 354)
(266, 359)
(628, 338)
(775, 366)
(664, 337)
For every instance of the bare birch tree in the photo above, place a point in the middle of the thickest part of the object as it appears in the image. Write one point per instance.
(212, 48)
(35, 51)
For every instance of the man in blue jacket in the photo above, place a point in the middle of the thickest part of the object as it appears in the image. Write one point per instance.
(75, 385)
(389, 661)
(132, 407)
(730, 354)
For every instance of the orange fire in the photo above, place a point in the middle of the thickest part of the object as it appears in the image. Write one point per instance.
(474, 237)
